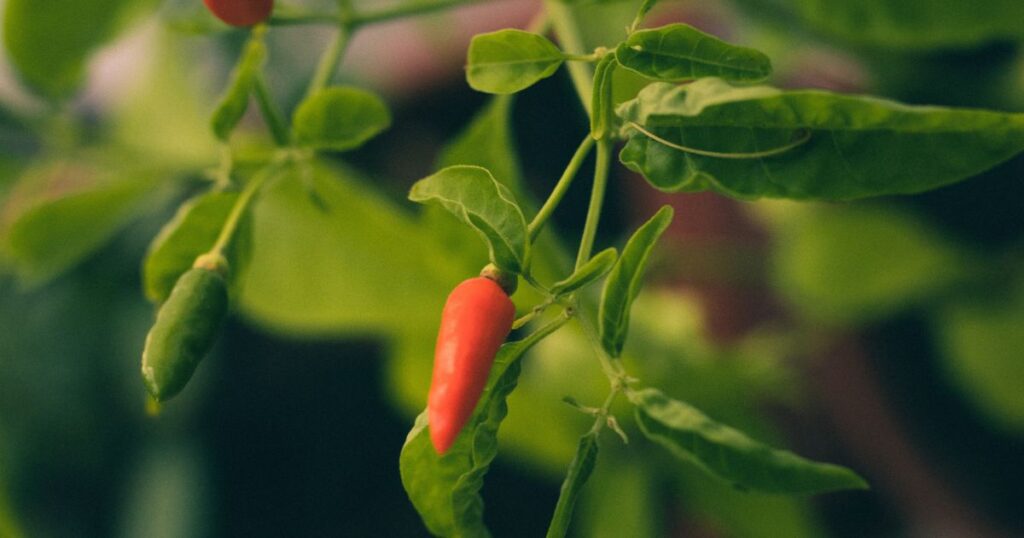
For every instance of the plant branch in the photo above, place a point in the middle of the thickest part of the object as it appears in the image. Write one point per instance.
(271, 114)
(222, 174)
(353, 18)
(564, 24)
(560, 188)
(580, 468)
(238, 211)
(297, 18)
(604, 151)
(405, 9)
(329, 60)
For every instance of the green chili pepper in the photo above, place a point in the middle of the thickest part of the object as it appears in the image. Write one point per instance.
(186, 328)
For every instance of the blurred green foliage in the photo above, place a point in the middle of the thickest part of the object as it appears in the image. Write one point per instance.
(336, 258)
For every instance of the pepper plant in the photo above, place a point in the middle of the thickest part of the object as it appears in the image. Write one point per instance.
(684, 110)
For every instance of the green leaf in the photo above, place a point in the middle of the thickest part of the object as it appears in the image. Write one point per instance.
(645, 8)
(9, 525)
(679, 52)
(623, 285)
(602, 103)
(597, 267)
(192, 232)
(903, 24)
(50, 42)
(579, 471)
(341, 266)
(981, 342)
(489, 142)
(731, 455)
(473, 195)
(855, 264)
(54, 234)
(840, 147)
(340, 118)
(235, 100)
(744, 513)
(508, 61)
(446, 489)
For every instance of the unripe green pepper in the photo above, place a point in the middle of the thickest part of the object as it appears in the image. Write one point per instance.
(185, 330)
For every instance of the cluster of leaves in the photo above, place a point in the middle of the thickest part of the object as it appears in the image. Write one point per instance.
(743, 141)
(714, 133)
(755, 141)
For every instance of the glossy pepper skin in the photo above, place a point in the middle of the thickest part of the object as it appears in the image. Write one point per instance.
(186, 328)
(241, 12)
(475, 322)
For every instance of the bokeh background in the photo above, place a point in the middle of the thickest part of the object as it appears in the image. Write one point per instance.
(885, 335)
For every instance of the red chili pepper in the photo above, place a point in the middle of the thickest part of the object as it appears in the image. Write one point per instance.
(475, 322)
(241, 12)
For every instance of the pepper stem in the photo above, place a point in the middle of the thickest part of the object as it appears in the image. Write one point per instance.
(508, 281)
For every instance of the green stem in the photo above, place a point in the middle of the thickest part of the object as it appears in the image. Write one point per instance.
(299, 18)
(568, 33)
(353, 18)
(275, 121)
(593, 57)
(329, 60)
(222, 175)
(604, 151)
(406, 9)
(612, 367)
(560, 188)
(580, 469)
(234, 219)
(546, 330)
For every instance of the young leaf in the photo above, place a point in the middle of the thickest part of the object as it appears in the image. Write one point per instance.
(508, 61)
(446, 489)
(579, 471)
(597, 267)
(679, 52)
(623, 285)
(602, 104)
(54, 234)
(473, 195)
(235, 100)
(191, 232)
(50, 42)
(731, 455)
(340, 118)
(762, 142)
